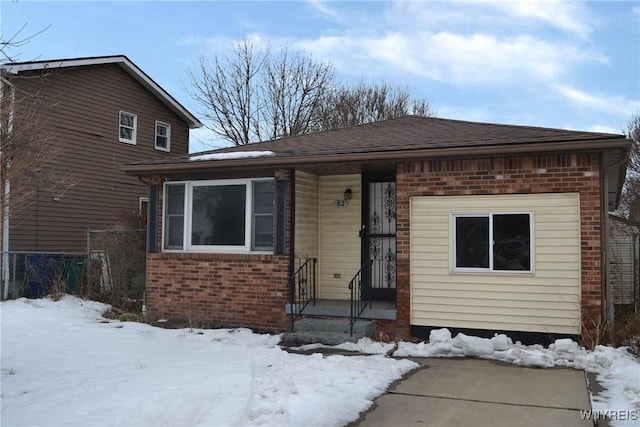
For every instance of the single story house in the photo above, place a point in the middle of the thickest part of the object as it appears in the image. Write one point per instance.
(436, 223)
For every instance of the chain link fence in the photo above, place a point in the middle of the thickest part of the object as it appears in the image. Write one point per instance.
(112, 270)
(36, 274)
(624, 268)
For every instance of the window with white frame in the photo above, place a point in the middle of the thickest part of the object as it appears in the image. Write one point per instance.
(128, 125)
(219, 216)
(143, 207)
(163, 136)
(492, 242)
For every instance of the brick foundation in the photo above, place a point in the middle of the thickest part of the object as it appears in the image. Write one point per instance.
(219, 290)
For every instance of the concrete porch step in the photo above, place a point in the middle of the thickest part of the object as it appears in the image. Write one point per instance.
(307, 324)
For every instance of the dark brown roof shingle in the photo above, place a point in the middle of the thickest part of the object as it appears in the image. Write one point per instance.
(409, 134)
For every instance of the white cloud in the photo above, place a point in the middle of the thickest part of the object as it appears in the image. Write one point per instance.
(439, 41)
(610, 104)
(449, 57)
(461, 42)
(567, 16)
(323, 7)
(636, 10)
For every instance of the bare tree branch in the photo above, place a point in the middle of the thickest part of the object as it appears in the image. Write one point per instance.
(15, 41)
(365, 103)
(630, 198)
(29, 147)
(252, 95)
(227, 91)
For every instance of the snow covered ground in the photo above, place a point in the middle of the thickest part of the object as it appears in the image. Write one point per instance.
(617, 370)
(63, 364)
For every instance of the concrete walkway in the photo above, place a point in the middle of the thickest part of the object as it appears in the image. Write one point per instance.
(475, 392)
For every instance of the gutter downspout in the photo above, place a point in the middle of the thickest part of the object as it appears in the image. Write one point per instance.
(5, 240)
(607, 315)
(6, 189)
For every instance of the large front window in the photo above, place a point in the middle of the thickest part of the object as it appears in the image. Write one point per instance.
(225, 216)
(492, 241)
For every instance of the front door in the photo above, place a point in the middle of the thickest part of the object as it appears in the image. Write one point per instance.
(379, 237)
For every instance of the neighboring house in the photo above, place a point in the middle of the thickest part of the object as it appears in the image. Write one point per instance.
(104, 112)
(470, 226)
(624, 263)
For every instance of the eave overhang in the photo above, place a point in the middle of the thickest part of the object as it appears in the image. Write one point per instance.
(288, 160)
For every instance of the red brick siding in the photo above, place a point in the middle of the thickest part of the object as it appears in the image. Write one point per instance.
(502, 175)
(229, 290)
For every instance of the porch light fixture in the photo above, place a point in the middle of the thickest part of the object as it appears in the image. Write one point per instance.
(347, 194)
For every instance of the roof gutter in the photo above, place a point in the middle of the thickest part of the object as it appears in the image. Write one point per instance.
(280, 161)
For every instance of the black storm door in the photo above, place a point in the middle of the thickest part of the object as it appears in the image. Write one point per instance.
(379, 243)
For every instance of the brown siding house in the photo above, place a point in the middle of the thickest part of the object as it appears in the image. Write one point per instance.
(416, 223)
(104, 112)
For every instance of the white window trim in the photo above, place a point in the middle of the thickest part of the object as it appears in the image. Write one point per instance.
(140, 202)
(223, 249)
(168, 136)
(134, 134)
(489, 214)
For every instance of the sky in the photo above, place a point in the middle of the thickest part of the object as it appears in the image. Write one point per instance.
(570, 65)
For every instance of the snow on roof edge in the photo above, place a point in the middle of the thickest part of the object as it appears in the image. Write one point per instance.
(231, 156)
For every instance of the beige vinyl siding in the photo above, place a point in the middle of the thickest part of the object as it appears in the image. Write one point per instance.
(546, 300)
(306, 223)
(339, 239)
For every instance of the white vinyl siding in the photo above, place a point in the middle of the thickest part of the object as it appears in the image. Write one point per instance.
(545, 300)
(306, 221)
(339, 238)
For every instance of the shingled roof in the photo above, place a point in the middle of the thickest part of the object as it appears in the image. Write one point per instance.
(401, 138)
(381, 145)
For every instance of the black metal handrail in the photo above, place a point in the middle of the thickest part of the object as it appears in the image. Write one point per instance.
(359, 299)
(302, 288)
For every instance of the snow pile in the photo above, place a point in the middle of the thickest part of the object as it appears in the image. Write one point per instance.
(63, 364)
(231, 156)
(617, 370)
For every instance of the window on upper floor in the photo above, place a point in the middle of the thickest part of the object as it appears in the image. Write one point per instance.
(163, 136)
(128, 126)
